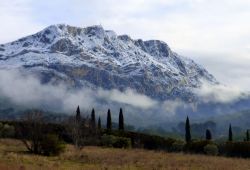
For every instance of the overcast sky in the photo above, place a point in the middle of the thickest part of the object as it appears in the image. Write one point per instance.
(215, 33)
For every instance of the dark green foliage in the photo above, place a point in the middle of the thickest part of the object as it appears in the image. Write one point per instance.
(122, 142)
(178, 146)
(208, 135)
(99, 123)
(51, 145)
(196, 146)
(115, 141)
(187, 129)
(247, 135)
(78, 114)
(211, 149)
(121, 120)
(6, 130)
(230, 134)
(109, 121)
(93, 124)
(237, 149)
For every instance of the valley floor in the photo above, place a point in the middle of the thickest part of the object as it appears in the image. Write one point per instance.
(13, 156)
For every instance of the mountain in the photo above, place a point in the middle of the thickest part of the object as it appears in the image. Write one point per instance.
(93, 57)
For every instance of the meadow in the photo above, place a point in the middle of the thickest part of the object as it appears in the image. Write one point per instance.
(14, 156)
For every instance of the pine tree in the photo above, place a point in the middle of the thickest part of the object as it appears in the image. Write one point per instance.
(230, 134)
(121, 120)
(208, 135)
(247, 135)
(93, 124)
(78, 114)
(99, 123)
(188, 133)
(109, 123)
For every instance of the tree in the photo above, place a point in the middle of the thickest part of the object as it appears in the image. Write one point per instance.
(121, 120)
(30, 131)
(188, 133)
(109, 122)
(99, 123)
(230, 134)
(78, 114)
(208, 135)
(93, 124)
(247, 135)
(76, 127)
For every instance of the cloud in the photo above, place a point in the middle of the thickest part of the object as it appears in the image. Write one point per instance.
(218, 93)
(26, 90)
(129, 97)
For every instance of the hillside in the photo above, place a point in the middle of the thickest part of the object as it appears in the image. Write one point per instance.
(13, 156)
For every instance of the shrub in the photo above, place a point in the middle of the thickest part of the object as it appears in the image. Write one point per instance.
(117, 142)
(52, 145)
(211, 149)
(107, 140)
(178, 146)
(239, 149)
(122, 142)
(197, 146)
(7, 131)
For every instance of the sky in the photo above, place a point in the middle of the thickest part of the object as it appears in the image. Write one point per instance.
(215, 33)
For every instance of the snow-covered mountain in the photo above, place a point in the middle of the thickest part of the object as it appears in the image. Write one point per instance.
(94, 57)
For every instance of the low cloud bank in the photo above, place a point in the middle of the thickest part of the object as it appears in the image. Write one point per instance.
(218, 93)
(28, 91)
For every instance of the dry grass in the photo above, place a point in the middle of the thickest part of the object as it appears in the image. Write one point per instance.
(13, 156)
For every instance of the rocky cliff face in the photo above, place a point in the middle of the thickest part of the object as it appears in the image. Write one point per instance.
(94, 57)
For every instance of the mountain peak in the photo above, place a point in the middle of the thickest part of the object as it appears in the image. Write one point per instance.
(95, 57)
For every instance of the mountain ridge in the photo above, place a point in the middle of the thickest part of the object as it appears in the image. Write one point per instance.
(95, 57)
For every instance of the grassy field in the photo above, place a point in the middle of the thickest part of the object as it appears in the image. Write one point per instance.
(13, 156)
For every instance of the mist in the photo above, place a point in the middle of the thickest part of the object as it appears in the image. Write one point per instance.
(26, 90)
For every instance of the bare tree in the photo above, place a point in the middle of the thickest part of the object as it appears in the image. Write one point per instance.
(31, 132)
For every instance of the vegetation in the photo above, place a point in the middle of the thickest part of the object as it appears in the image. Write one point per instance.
(208, 135)
(230, 134)
(188, 133)
(121, 121)
(13, 156)
(109, 121)
(47, 139)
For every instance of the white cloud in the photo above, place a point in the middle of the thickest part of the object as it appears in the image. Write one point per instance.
(26, 90)
(219, 93)
(129, 97)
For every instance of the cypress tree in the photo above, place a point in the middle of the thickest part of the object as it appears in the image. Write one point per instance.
(93, 124)
(230, 134)
(247, 135)
(109, 123)
(78, 114)
(99, 123)
(208, 135)
(121, 120)
(188, 133)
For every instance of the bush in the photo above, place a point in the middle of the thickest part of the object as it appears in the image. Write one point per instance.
(197, 146)
(211, 149)
(7, 131)
(239, 149)
(122, 142)
(51, 145)
(178, 146)
(117, 142)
